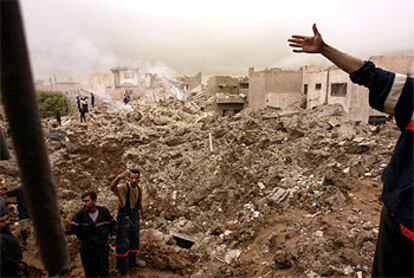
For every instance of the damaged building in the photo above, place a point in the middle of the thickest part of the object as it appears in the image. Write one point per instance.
(126, 81)
(229, 93)
(70, 88)
(330, 85)
(274, 87)
(190, 83)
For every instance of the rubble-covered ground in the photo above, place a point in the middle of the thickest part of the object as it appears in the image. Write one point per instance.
(270, 195)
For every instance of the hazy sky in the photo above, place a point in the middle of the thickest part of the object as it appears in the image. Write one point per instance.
(73, 38)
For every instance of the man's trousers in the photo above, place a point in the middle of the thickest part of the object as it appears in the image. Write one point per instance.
(127, 240)
(95, 259)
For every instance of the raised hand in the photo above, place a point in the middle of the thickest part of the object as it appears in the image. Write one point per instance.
(125, 173)
(307, 44)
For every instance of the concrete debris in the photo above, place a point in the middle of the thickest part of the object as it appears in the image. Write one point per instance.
(184, 241)
(277, 196)
(309, 180)
(231, 256)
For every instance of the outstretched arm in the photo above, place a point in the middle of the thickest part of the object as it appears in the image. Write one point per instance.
(316, 44)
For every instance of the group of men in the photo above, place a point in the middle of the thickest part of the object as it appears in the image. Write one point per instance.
(83, 107)
(95, 228)
(93, 225)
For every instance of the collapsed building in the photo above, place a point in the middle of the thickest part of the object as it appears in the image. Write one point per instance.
(126, 81)
(131, 81)
(229, 93)
(190, 83)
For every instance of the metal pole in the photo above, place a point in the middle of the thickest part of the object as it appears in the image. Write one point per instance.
(20, 103)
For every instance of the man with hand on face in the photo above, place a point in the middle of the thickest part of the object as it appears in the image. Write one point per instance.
(129, 193)
(391, 93)
(93, 225)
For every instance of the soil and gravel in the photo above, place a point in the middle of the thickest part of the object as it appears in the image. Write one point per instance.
(272, 194)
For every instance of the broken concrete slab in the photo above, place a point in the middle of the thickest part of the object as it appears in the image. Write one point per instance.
(277, 196)
(183, 241)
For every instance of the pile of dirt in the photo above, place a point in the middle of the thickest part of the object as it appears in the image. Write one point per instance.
(261, 193)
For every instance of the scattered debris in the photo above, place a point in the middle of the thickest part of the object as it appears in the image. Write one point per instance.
(309, 178)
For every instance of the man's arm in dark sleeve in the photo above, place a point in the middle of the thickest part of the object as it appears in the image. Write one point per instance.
(111, 220)
(389, 92)
(74, 225)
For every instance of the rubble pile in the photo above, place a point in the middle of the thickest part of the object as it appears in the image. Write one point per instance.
(264, 193)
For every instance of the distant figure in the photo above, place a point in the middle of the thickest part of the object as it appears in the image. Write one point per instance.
(92, 100)
(93, 225)
(66, 107)
(83, 109)
(85, 104)
(78, 103)
(58, 119)
(127, 99)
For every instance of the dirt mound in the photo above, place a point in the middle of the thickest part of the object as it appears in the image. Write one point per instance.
(262, 193)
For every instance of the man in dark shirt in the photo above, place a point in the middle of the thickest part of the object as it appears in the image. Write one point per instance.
(393, 94)
(93, 226)
(92, 100)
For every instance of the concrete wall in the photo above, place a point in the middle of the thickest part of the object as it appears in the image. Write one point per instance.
(355, 102)
(70, 88)
(313, 75)
(264, 84)
(214, 83)
(101, 83)
(190, 82)
(125, 76)
(282, 100)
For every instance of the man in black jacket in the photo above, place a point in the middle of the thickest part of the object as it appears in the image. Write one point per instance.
(93, 225)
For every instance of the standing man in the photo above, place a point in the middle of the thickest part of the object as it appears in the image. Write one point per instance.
(129, 193)
(78, 103)
(392, 93)
(85, 104)
(66, 107)
(83, 110)
(93, 226)
(92, 99)
(58, 118)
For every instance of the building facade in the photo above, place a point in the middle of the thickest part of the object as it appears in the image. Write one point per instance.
(230, 94)
(274, 87)
(189, 83)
